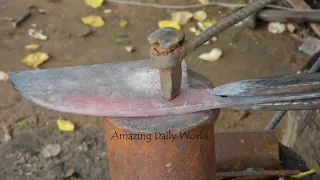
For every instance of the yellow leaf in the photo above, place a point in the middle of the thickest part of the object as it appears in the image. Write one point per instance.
(32, 46)
(35, 59)
(94, 3)
(65, 125)
(205, 25)
(92, 20)
(123, 23)
(200, 16)
(168, 23)
(304, 174)
(211, 21)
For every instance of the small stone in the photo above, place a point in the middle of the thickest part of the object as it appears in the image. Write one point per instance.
(37, 34)
(70, 173)
(51, 150)
(291, 28)
(107, 11)
(3, 76)
(85, 32)
(32, 119)
(28, 173)
(84, 147)
(310, 46)
(42, 11)
(168, 165)
(129, 49)
(7, 137)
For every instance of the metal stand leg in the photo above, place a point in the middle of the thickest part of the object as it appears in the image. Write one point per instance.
(167, 152)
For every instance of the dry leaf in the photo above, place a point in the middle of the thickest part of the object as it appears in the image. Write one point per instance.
(168, 23)
(107, 11)
(129, 49)
(37, 34)
(200, 16)
(195, 31)
(65, 125)
(214, 55)
(3, 76)
(32, 46)
(181, 17)
(304, 174)
(94, 3)
(205, 25)
(123, 23)
(92, 20)
(276, 27)
(204, 1)
(115, 38)
(35, 59)
(21, 123)
(206, 43)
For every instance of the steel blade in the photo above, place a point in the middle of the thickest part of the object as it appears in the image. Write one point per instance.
(130, 89)
(287, 84)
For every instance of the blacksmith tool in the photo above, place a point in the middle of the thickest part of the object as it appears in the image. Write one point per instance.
(168, 48)
(315, 67)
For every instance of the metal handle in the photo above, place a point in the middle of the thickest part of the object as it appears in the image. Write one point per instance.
(225, 23)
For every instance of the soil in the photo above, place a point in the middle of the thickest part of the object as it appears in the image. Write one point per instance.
(246, 54)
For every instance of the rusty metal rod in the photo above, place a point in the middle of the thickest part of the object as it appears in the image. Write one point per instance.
(288, 16)
(279, 115)
(225, 23)
(257, 174)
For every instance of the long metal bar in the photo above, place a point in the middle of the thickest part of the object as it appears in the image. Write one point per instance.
(279, 115)
(225, 23)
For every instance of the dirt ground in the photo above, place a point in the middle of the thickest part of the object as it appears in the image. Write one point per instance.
(246, 54)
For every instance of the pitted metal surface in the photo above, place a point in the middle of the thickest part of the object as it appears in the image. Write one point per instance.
(166, 37)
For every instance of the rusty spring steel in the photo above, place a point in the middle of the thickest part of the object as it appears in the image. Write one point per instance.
(225, 23)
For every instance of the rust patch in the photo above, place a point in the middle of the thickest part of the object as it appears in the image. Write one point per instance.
(237, 151)
(157, 50)
(182, 158)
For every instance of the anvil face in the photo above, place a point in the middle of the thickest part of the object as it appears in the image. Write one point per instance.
(99, 90)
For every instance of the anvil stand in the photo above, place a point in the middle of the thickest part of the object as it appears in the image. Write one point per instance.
(137, 148)
(152, 153)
